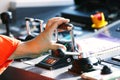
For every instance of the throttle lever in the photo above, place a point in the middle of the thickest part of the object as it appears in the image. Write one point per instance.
(66, 26)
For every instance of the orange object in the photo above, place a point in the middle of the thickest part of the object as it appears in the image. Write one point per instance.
(98, 20)
(7, 47)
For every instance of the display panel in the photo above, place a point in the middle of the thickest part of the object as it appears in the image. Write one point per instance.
(103, 2)
(79, 2)
(50, 60)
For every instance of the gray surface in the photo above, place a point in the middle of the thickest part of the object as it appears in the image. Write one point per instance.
(58, 74)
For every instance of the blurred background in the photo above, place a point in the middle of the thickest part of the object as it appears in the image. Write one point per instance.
(33, 8)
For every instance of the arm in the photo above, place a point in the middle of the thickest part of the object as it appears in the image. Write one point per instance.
(42, 42)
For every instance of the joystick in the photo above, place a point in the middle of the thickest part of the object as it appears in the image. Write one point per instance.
(29, 35)
(106, 70)
(34, 29)
(6, 18)
(60, 58)
(68, 27)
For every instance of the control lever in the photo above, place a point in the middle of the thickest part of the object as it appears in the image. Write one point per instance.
(73, 51)
(33, 21)
(79, 65)
(60, 58)
(68, 27)
(6, 18)
(29, 34)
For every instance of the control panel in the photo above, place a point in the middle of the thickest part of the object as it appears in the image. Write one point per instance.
(60, 58)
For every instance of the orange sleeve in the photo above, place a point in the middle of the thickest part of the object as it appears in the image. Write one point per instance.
(7, 47)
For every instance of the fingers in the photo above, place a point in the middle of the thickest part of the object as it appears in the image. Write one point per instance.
(53, 23)
(51, 26)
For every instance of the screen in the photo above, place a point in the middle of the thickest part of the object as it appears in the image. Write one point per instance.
(50, 60)
(91, 5)
(103, 2)
(80, 2)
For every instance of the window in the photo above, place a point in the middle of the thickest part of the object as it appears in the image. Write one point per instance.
(36, 3)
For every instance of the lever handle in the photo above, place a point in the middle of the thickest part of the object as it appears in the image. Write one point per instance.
(66, 26)
(6, 18)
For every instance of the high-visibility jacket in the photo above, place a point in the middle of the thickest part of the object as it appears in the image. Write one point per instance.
(7, 47)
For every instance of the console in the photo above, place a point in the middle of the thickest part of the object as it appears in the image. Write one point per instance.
(81, 11)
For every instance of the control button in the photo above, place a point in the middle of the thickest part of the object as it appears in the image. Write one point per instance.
(106, 70)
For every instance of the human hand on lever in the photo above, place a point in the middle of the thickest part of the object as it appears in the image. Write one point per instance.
(43, 42)
(51, 26)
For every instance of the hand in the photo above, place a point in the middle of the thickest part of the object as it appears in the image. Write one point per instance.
(51, 26)
(43, 42)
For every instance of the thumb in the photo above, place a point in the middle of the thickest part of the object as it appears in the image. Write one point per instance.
(57, 45)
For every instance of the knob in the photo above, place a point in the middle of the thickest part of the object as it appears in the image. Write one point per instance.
(6, 17)
(106, 70)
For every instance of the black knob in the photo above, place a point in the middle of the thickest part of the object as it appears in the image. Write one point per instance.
(6, 17)
(106, 70)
